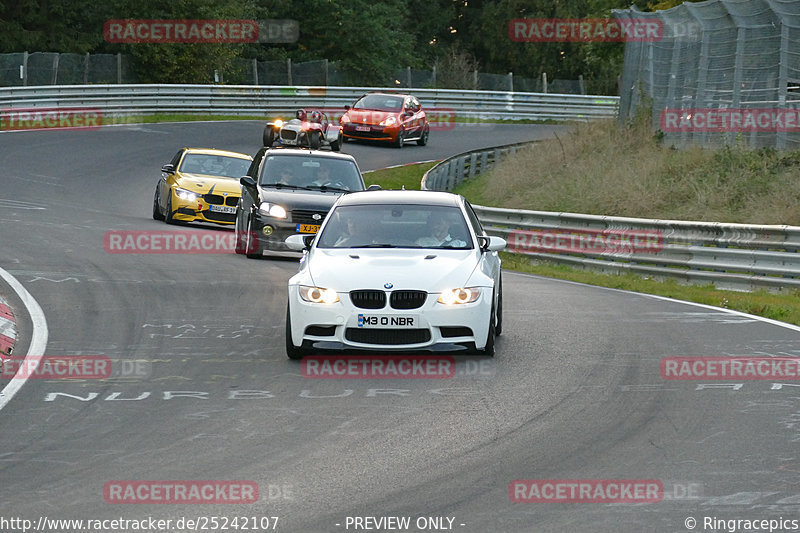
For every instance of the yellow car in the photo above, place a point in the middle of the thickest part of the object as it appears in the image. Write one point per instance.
(200, 185)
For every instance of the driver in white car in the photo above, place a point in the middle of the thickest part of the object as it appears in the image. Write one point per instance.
(440, 233)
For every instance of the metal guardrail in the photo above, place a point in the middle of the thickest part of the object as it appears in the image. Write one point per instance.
(731, 256)
(121, 100)
(451, 172)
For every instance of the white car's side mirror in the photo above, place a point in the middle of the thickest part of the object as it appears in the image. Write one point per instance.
(492, 244)
(299, 242)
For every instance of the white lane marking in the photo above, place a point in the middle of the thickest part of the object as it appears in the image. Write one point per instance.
(666, 299)
(17, 204)
(38, 337)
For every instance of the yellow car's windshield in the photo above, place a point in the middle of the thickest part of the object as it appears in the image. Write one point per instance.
(214, 165)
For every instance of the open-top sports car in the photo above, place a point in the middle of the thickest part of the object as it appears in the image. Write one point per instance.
(309, 129)
(394, 118)
(396, 271)
(200, 184)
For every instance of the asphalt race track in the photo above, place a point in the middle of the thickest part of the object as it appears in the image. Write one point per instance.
(574, 392)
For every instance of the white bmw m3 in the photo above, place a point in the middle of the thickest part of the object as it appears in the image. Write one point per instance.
(396, 271)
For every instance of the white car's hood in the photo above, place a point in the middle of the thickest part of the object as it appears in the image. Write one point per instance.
(422, 269)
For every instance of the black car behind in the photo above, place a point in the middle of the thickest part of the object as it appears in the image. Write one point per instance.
(288, 191)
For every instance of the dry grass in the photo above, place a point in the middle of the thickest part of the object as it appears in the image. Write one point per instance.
(600, 168)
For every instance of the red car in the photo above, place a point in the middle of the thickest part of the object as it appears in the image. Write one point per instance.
(395, 118)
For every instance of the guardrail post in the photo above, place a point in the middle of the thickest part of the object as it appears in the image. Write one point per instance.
(255, 71)
(473, 160)
(450, 176)
(544, 82)
(581, 84)
(289, 70)
(511, 82)
(23, 69)
(55, 69)
(460, 170)
(86, 69)
(119, 68)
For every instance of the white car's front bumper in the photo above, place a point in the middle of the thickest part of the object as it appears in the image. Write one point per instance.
(342, 325)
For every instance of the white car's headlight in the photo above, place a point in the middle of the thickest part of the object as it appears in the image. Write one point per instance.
(318, 295)
(391, 120)
(278, 123)
(462, 295)
(272, 210)
(187, 195)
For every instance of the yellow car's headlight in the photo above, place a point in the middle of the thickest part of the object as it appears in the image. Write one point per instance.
(462, 295)
(318, 295)
(187, 195)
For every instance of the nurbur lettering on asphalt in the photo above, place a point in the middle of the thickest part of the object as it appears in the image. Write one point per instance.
(187, 395)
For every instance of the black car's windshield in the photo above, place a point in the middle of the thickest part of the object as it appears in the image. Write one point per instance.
(311, 173)
(396, 226)
(380, 102)
(214, 165)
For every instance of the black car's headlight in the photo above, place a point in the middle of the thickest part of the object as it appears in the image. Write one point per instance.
(272, 210)
(464, 295)
(318, 295)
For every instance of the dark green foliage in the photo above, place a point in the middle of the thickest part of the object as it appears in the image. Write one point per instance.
(368, 39)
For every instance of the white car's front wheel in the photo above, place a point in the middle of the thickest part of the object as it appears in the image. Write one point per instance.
(489, 349)
(292, 351)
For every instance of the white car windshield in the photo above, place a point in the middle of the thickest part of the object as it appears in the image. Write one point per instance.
(396, 226)
(214, 165)
(309, 172)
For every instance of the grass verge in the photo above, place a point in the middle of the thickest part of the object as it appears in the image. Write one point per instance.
(603, 169)
(407, 176)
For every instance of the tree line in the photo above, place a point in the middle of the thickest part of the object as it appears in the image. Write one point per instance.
(369, 38)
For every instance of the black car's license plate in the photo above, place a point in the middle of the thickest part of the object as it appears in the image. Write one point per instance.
(307, 228)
